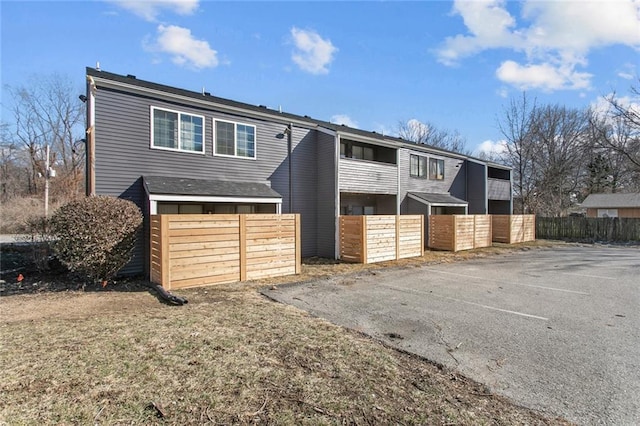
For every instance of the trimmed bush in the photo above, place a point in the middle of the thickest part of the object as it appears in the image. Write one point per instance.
(95, 236)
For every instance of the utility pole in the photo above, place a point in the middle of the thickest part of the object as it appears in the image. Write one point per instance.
(48, 173)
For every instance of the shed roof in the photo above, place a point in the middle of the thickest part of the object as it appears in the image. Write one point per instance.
(437, 199)
(627, 200)
(199, 187)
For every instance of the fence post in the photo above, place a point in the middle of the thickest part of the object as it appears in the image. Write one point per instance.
(242, 235)
(164, 251)
(397, 217)
(363, 237)
(298, 245)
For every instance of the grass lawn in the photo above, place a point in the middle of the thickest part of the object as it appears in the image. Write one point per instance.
(229, 356)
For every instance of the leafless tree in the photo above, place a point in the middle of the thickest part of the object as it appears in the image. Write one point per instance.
(516, 125)
(428, 134)
(561, 139)
(617, 129)
(47, 112)
(548, 147)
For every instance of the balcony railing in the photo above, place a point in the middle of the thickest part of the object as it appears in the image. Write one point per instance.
(367, 176)
(498, 189)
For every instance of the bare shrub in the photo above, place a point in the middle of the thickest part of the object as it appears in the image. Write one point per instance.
(95, 236)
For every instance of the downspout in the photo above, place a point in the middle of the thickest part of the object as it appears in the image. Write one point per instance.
(90, 183)
(289, 155)
(336, 170)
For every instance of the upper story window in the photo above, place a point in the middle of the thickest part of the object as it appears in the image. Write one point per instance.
(177, 130)
(356, 151)
(436, 169)
(235, 139)
(418, 166)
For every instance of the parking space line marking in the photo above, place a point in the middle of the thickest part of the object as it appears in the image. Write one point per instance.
(585, 275)
(493, 308)
(522, 285)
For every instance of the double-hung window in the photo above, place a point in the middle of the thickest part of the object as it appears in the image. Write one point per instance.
(436, 169)
(177, 130)
(418, 166)
(235, 139)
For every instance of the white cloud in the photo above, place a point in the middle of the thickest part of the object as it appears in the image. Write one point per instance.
(313, 53)
(543, 76)
(628, 72)
(602, 106)
(344, 119)
(185, 50)
(150, 9)
(492, 149)
(556, 39)
(503, 92)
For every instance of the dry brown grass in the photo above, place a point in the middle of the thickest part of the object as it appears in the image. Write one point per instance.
(230, 356)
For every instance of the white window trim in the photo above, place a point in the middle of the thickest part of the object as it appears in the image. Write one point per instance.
(235, 141)
(164, 148)
(155, 198)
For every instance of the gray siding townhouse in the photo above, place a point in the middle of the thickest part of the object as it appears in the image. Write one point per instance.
(177, 151)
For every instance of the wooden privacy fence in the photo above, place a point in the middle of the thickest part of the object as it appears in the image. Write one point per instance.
(196, 249)
(511, 229)
(588, 228)
(459, 232)
(369, 239)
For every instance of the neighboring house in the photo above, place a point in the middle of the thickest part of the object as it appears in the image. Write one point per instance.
(176, 151)
(612, 205)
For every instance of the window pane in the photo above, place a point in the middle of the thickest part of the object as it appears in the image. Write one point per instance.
(357, 152)
(225, 138)
(191, 133)
(436, 169)
(246, 141)
(368, 154)
(418, 166)
(165, 129)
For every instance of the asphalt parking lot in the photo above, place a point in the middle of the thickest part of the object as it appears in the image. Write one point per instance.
(556, 329)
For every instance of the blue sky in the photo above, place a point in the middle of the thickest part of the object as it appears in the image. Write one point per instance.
(366, 64)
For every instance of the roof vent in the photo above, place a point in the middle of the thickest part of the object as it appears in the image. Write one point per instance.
(131, 76)
(206, 93)
(262, 106)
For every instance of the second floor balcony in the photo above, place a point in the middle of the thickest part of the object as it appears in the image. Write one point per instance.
(367, 176)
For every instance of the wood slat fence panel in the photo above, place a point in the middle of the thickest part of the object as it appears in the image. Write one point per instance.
(378, 238)
(197, 250)
(588, 228)
(459, 232)
(512, 229)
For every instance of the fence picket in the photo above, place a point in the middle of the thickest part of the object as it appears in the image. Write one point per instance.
(588, 228)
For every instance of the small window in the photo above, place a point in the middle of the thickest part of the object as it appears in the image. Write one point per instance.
(233, 139)
(177, 131)
(436, 169)
(418, 166)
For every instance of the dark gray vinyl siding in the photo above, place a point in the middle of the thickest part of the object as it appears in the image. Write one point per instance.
(326, 195)
(367, 177)
(453, 182)
(477, 186)
(123, 155)
(304, 200)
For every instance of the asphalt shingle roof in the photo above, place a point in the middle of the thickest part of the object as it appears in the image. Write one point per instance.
(433, 198)
(628, 200)
(200, 187)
